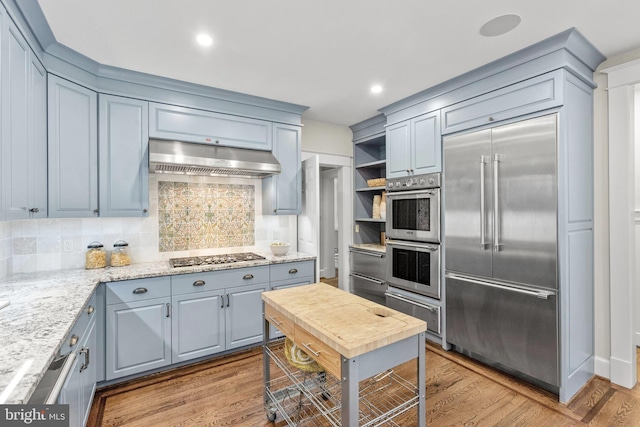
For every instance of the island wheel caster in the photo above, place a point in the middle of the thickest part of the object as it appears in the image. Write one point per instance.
(271, 416)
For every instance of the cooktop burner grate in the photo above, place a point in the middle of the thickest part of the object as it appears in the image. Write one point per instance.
(213, 259)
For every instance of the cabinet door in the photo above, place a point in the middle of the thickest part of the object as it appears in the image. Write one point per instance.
(426, 146)
(197, 328)
(124, 158)
(73, 150)
(189, 124)
(23, 130)
(88, 372)
(244, 316)
(138, 336)
(398, 150)
(282, 193)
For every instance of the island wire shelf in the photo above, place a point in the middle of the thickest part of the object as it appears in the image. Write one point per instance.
(304, 399)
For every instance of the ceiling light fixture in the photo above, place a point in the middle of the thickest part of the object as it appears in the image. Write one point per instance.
(500, 25)
(376, 89)
(204, 40)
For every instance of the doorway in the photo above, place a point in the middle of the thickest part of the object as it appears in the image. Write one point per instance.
(330, 236)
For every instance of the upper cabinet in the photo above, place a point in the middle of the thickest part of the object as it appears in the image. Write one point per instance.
(188, 124)
(282, 193)
(73, 150)
(24, 139)
(123, 156)
(414, 146)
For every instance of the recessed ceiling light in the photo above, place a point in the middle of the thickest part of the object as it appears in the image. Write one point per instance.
(376, 89)
(500, 25)
(204, 39)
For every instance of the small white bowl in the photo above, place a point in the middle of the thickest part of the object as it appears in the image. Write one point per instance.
(279, 249)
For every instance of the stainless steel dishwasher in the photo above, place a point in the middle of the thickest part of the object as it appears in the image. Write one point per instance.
(367, 276)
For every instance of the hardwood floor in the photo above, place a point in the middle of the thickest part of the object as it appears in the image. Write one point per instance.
(460, 392)
(332, 282)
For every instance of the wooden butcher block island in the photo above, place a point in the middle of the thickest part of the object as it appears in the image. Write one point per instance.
(356, 342)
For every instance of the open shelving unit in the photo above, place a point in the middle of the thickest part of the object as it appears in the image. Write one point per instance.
(369, 156)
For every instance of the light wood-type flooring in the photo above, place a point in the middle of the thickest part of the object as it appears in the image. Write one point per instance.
(227, 391)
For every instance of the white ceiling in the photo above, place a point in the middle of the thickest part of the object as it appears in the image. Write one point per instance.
(325, 54)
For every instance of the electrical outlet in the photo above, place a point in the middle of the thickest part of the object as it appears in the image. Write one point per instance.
(67, 245)
(357, 228)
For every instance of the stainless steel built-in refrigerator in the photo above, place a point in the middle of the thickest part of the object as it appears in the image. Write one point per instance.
(500, 227)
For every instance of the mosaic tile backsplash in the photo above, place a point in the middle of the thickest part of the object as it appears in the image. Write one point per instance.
(197, 216)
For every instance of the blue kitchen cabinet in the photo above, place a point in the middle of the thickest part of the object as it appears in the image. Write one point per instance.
(282, 193)
(73, 149)
(138, 326)
(190, 339)
(24, 139)
(123, 156)
(80, 385)
(243, 315)
(414, 146)
(207, 127)
(289, 275)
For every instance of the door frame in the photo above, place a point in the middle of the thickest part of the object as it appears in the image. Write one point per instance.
(622, 81)
(344, 164)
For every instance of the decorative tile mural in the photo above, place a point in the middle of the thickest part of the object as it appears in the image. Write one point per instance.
(199, 216)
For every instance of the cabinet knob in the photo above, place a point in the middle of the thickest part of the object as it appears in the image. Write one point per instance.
(74, 340)
(34, 210)
(248, 276)
(490, 119)
(95, 211)
(275, 210)
(293, 271)
(199, 283)
(144, 210)
(90, 310)
(217, 141)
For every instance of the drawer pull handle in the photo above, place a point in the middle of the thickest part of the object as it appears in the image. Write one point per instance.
(140, 290)
(293, 271)
(34, 210)
(199, 283)
(308, 347)
(90, 310)
(74, 340)
(248, 276)
(274, 320)
(85, 352)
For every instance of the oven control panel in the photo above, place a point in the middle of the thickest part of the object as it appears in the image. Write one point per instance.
(417, 182)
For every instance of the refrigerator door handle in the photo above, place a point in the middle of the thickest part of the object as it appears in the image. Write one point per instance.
(496, 207)
(537, 294)
(483, 212)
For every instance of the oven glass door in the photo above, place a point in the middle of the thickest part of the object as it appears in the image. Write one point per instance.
(414, 215)
(414, 267)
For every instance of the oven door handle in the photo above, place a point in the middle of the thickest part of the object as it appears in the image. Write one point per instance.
(368, 253)
(430, 248)
(62, 377)
(430, 191)
(410, 301)
(370, 279)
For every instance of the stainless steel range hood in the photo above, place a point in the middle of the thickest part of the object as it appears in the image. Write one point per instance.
(187, 158)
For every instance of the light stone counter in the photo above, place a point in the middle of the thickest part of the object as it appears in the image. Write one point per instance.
(44, 307)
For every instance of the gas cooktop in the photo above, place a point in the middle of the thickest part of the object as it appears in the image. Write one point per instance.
(213, 259)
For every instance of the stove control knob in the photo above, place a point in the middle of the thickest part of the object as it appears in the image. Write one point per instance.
(431, 180)
(409, 183)
(421, 181)
(398, 184)
(390, 185)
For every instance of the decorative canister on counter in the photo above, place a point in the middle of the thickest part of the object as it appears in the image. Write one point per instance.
(96, 257)
(120, 254)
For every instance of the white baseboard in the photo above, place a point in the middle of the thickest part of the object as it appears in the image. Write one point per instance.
(602, 367)
(623, 372)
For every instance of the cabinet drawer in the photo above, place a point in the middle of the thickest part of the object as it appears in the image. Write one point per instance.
(77, 331)
(138, 290)
(188, 283)
(291, 270)
(284, 324)
(526, 97)
(319, 351)
(430, 313)
(187, 124)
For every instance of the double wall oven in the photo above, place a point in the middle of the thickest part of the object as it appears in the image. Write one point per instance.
(413, 247)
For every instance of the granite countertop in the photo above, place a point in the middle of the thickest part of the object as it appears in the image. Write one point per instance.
(44, 307)
(370, 247)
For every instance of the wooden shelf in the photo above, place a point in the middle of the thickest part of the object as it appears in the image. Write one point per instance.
(375, 165)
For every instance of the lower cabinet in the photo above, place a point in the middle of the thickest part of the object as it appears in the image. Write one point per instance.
(289, 275)
(80, 385)
(243, 315)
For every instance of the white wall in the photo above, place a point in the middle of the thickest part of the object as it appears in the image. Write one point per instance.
(637, 206)
(601, 213)
(320, 137)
